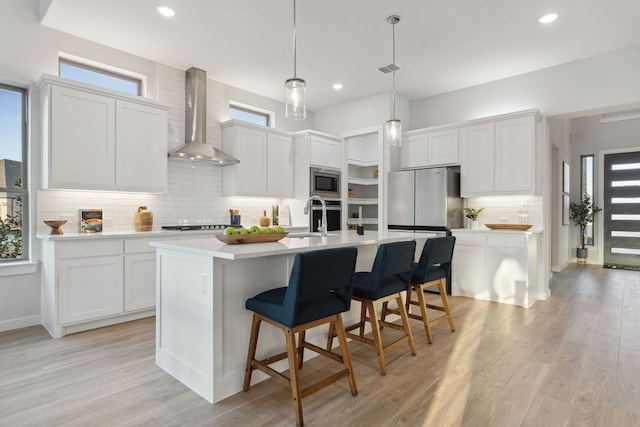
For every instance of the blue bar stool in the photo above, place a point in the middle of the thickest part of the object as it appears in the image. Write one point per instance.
(433, 269)
(320, 288)
(389, 277)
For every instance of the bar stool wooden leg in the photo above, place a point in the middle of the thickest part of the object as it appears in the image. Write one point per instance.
(301, 336)
(331, 334)
(294, 376)
(405, 324)
(346, 358)
(445, 304)
(423, 311)
(251, 354)
(377, 337)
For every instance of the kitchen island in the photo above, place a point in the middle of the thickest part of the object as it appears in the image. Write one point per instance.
(202, 326)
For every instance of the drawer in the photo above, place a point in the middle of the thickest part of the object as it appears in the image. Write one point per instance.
(506, 241)
(471, 239)
(136, 246)
(89, 249)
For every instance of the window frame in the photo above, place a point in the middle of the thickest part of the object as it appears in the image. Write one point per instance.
(269, 115)
(23, 191)
(588, 241)
(104, 70)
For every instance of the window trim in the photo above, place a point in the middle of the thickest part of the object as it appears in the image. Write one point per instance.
(582, 191)
(24, 176)
(270, 115)
(104, 69)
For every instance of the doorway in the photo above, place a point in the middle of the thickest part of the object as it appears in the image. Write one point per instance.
(622, 210)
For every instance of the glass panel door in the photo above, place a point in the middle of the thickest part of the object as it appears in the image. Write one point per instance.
(622, 210)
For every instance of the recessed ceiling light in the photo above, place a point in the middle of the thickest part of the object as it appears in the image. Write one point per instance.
(548, 18)
(167, 11)
(337, 86)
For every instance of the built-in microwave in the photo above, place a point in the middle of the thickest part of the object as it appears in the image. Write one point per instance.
(325, 183)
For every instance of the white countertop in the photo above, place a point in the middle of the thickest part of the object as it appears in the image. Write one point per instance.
(217, 249)
(140, 234)
(533, 230)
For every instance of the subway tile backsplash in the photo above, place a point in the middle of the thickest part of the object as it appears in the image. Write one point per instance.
(508, 209)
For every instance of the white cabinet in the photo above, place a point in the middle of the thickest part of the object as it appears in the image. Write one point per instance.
(141, 147)
(90, 283)
(139, 274)
(266, 161)
(470, 266)
(94, 139)
(325, 151)
(413, 151)
(495, 266)
(499, 157)
(426, 148)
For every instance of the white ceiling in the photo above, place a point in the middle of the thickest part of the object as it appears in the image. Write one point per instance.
(442, 45)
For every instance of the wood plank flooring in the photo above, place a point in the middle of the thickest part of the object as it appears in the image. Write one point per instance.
(573, 360)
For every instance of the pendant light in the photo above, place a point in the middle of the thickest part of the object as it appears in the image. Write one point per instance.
(295, 87)
(393, 127)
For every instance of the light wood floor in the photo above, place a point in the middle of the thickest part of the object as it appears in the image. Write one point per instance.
(573, 360)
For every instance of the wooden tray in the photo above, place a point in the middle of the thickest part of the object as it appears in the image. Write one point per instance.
(235, 239)
(509, 226)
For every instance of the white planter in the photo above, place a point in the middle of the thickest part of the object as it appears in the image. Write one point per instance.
(475, 225)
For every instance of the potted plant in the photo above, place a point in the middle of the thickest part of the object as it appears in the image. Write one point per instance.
(473, 214)
(581, 214)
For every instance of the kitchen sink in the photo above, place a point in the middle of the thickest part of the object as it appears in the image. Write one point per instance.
(314, 234)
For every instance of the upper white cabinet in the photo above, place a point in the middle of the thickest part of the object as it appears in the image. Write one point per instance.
(499, 157)
(266, 161)
(325, 151)
(426, 148)
(95, 139)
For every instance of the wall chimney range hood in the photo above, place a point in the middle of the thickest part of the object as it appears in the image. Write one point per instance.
(196, 147)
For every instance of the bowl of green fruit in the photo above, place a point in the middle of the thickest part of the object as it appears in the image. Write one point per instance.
(253, 234)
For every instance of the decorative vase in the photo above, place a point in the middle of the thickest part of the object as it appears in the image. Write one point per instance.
(265, 221)
(143, 219)
(475, 224)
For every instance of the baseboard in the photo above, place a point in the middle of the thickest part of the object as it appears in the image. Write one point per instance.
(22, 322)
(558, 269)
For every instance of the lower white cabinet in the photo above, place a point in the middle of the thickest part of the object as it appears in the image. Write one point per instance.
(93, 283)
(497, 266)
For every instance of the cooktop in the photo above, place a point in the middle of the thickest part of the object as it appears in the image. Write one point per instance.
(191, 227)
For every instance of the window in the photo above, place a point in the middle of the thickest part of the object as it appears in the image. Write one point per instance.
(586, 189)
(99, 77)
(249, 114)
(13, 174)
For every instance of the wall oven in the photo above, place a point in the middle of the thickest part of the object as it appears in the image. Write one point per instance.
(325, 183)
(334, 212)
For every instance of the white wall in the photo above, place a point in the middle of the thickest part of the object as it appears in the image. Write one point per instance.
(590, 84)
(361, 114)
(560, 135)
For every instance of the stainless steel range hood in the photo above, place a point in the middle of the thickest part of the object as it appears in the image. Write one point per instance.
(196, 147)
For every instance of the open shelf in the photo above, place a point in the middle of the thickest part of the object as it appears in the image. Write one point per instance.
(363, 181)
(365, 221)
(356, 201)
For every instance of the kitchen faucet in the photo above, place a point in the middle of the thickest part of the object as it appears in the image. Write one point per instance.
(323, 226)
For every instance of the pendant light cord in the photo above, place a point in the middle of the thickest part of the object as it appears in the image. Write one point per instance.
(393, 96)
(294, 39)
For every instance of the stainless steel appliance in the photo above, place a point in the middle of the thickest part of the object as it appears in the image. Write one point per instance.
(425, 200)
(334, 211)
(325, 183)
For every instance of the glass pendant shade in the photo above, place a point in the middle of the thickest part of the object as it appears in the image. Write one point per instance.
(294, 94)
(393, 129)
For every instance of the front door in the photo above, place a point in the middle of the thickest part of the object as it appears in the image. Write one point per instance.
(622, 210)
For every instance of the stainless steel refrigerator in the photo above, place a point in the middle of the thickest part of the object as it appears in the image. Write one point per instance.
(426, 200)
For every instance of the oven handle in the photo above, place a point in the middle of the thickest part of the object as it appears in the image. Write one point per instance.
(329, 208)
